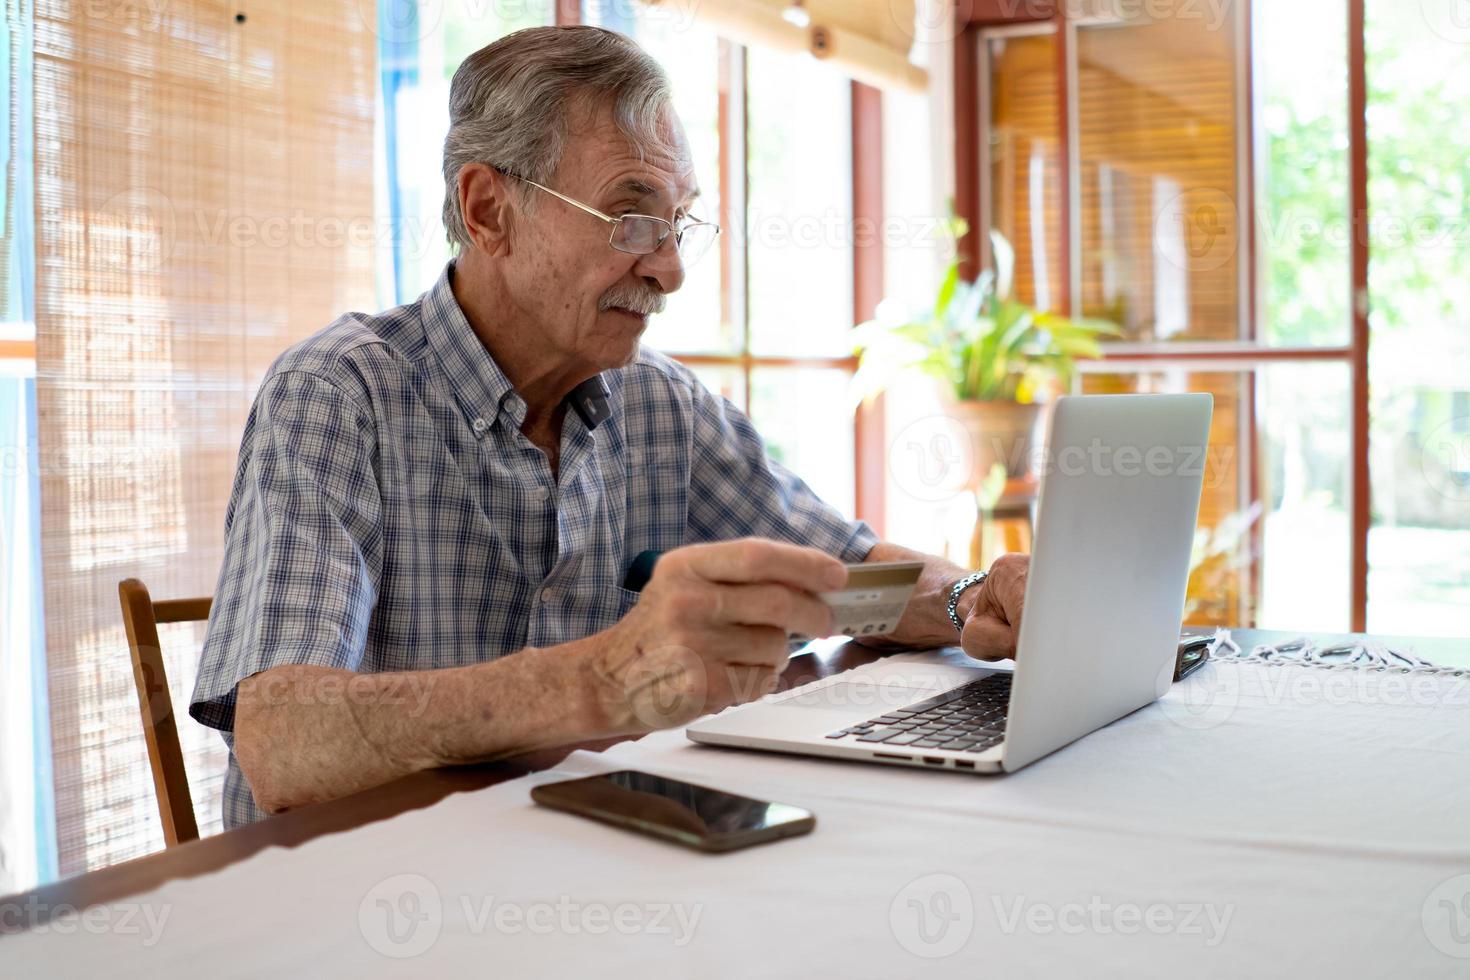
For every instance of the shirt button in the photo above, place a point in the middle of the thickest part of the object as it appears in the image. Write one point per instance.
(479, 425)
(542, 493)
(545, 595)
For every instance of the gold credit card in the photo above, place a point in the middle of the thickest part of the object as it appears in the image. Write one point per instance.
(874, 598)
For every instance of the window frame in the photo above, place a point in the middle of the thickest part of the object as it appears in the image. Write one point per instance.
(1249, 353)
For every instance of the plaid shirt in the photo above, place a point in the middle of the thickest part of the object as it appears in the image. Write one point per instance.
(388, 513)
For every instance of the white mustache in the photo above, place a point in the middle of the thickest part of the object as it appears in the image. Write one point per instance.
(642, 300)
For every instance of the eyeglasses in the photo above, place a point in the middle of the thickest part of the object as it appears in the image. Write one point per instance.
(644, 234)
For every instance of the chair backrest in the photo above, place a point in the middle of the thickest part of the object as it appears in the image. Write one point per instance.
(141, 616)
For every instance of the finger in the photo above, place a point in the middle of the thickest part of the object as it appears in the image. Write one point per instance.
(764, 560)
(747, 646)
(987, 638)
(792, 610)
(740, 684)
(1005, 590)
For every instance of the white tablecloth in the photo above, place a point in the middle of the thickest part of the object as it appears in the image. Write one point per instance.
(1260, 821)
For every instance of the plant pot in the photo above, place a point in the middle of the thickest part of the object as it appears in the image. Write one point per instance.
(1000, 432)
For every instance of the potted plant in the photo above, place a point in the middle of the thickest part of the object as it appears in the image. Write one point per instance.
(997, 361)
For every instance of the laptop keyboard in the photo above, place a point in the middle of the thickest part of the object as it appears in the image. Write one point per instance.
(970, 718)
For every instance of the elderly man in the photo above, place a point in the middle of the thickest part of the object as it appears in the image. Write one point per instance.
(436, 507)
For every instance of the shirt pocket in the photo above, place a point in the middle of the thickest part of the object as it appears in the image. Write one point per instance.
(613, 603)
(622, 600)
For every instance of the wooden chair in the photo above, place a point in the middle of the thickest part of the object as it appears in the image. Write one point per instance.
(141, 616)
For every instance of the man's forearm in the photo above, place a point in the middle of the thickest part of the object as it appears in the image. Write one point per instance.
(307, 734)
(925, 622)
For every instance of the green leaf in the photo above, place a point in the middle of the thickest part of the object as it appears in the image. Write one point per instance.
(946, 289)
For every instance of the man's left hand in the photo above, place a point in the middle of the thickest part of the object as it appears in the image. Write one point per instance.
(991, 611)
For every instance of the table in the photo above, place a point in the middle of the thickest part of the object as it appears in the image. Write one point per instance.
(295, 827)
(411, 793)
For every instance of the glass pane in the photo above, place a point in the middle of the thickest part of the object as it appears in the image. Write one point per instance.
(1305, 488)
(1302, 225)
(468, 27)
(1276, 554)
(914, 246)
(1157, 152)
(1419, 169)
(1023, 173)
(800, 205)
(727, 381)
(413, 118)
(803, 415)
(693, 320)
(929, 506)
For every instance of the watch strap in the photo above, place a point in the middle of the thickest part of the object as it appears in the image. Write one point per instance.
(974, 578)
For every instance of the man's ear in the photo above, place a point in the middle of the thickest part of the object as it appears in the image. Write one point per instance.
(485, 204)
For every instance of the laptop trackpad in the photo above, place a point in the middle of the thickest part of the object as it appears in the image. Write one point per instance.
(872, 698)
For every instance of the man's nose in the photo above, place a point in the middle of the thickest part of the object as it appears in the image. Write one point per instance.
(662, 268)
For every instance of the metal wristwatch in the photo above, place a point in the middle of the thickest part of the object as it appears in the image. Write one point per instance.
(974, 578)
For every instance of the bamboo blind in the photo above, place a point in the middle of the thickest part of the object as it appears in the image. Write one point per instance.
(204, 198)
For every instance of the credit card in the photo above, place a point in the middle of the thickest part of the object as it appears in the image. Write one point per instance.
(873, 600)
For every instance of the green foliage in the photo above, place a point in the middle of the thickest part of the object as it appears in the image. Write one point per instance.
(1418, 193)
(976, 339)
(1303, 231)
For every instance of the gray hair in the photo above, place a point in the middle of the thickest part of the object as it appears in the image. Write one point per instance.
(509, 103)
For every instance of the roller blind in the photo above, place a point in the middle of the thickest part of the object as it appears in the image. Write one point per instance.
(204, 198)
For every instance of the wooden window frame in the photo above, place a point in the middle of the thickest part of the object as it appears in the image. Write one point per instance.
(974, 24)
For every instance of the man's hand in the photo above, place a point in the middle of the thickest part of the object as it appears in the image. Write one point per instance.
(710, 630)
(991, 611)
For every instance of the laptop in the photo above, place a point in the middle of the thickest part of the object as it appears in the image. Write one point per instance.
(1119, 499)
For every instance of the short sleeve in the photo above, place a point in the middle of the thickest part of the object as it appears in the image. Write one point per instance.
(736, 489)
(303, 543)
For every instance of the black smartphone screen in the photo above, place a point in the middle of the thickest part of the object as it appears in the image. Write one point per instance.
(699, 816)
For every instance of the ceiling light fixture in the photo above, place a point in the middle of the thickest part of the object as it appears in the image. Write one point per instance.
(797, 14)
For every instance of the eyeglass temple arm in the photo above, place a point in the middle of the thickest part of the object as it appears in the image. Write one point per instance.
(576, 204)
(607, 217)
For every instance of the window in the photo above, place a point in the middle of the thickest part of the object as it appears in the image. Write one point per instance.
(766, 326)
(799, 225)
(697, 319)
(1023, 172)
(1204, 203)
(764, 320)
(420, 46)
(1418, 85)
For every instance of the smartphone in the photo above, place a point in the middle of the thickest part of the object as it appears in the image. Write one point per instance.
(1193, 652)
(696, 816)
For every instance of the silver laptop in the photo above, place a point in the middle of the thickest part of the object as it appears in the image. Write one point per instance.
(1120, 496)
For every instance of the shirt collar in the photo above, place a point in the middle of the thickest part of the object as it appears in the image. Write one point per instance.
(481, 388)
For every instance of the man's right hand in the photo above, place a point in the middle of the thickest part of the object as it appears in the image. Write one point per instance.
(710, 630)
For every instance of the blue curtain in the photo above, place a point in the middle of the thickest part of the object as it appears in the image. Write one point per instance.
(20, 491)
(398, 68)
